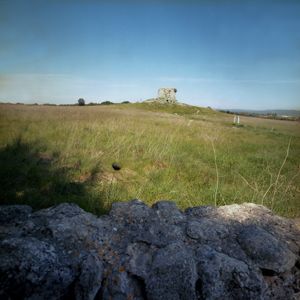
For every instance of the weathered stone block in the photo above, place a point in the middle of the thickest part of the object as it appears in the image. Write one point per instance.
(167, 95)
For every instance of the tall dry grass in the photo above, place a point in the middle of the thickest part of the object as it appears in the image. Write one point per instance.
(192, 157)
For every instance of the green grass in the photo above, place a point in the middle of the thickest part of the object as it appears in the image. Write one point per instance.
(50, 155)
(178, 109)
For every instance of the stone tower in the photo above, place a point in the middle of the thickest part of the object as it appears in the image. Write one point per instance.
(167, 95)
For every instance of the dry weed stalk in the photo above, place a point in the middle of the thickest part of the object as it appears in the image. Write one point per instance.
(277, 178)
(217, 172)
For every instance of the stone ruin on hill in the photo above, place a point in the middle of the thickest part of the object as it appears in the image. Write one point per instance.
(139, 252)
(167, 95)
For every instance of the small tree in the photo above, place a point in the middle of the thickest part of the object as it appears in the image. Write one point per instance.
(81, 102)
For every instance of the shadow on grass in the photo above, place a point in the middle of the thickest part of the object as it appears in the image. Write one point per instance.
(28, 176)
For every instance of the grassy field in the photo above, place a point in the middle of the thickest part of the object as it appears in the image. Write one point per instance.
(194, 156)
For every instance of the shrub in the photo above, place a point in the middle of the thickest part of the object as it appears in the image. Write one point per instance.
(81, 102)
(106, 103)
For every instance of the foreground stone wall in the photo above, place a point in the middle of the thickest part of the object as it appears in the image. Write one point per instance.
(138, 252)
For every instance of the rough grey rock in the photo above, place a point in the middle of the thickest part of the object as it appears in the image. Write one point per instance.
(139, 252)
(9, 213)
(257, 244)
(224, 277)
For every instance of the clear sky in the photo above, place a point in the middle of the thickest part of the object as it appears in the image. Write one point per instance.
(219, 53)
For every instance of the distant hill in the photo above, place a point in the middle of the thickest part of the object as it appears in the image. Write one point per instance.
(279, 112)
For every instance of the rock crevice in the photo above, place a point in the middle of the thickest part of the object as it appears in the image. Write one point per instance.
(141, 252)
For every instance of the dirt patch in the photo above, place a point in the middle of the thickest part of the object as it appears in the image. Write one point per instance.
(124, 175)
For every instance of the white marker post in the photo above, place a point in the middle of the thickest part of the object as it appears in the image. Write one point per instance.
(238, 120)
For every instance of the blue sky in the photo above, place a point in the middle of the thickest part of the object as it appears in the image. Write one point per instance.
(224, 54)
